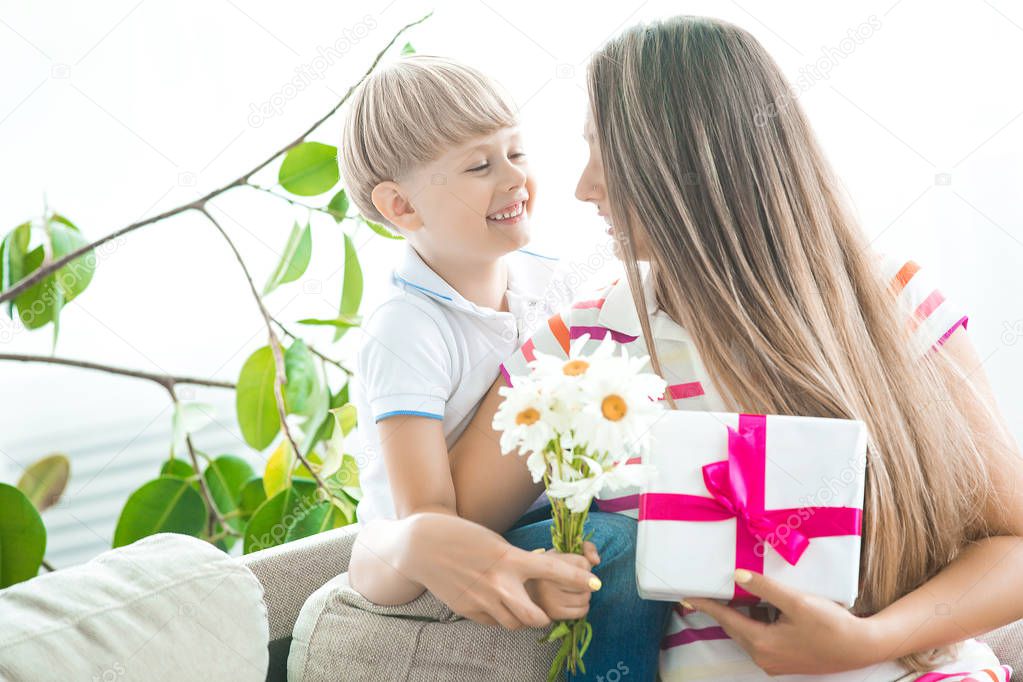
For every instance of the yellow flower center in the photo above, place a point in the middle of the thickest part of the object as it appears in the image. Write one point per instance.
(574, 368)
(613, 407)
(527, 416)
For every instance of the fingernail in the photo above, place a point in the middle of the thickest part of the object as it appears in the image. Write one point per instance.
(687, 605)
(539, 550)
(742, 575)
(594, 583)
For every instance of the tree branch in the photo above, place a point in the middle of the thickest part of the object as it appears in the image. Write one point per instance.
(280, 376)
(293, 202)
(216, 516)
(165, 380)
(311, 349)
(47, 268)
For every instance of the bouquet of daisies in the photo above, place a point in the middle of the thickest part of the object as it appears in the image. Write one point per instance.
(578, 420)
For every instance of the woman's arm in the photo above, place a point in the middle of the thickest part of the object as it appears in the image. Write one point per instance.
(490, 488)
(979, 591)
(472, 569)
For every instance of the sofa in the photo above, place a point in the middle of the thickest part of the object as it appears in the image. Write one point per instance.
(283, 613)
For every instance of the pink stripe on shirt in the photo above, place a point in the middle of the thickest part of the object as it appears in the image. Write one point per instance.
(598, 333)
(926, 308)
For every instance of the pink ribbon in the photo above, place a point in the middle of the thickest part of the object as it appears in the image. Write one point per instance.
(736, 486)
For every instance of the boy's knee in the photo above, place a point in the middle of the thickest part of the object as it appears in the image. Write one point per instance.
(614, 536)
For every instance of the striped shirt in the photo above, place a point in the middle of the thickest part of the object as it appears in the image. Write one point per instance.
(695, 647)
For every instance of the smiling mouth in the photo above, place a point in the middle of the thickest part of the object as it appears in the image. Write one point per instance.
(509, 215)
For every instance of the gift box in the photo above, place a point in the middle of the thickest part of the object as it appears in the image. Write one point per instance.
(778, 495)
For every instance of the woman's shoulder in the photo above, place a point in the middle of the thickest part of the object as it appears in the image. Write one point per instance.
(931, 315)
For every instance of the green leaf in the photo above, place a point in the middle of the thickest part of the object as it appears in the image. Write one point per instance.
(178, 468)
(42, 302)
(340, 322)
(300, 369)
(338, 206)
(379, 229)
(74, 277)
(22, 537)
(44, 480)
(326, 426)
(317, 519)
(560, 630)
(12, 259)
(163, 505)
(226, 477)
(408, 49)
(351, 290)
(277, 474)
(254, 399)
(252, 495)
(294, 260)
(344, 422)
(315, 410)
(309, 168)
(271, 522)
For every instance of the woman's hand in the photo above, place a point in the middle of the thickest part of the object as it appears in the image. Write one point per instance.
(812, 635)
(560, 602)
(479, 575)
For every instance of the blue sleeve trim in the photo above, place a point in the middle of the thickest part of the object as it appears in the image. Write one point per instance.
(414, 413)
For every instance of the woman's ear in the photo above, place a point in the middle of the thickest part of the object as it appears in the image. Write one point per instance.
(393, 203)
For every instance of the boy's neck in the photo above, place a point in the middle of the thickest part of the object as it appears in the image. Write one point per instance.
(484, 283)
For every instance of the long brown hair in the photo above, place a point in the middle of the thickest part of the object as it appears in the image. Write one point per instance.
(754, 250)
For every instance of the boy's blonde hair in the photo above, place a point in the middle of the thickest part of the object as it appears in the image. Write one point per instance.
(407, 113)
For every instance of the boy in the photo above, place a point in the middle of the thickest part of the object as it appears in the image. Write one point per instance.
(433, 150)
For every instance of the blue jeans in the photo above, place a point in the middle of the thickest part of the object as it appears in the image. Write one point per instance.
(627, 629)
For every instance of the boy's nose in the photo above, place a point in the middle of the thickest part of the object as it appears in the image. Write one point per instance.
(516, 177)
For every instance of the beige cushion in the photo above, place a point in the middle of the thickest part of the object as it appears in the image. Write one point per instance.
(168, 607)
(339, 630)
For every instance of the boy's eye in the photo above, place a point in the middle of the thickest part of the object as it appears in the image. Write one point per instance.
(517, 155)
(482, 166)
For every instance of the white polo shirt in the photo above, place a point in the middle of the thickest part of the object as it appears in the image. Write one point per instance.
(428, 351)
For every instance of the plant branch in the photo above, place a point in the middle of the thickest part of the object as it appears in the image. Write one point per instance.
(311, 349)
(293, 202)
(203, 488)
(165, 380)
(280, 376)
(200, 203)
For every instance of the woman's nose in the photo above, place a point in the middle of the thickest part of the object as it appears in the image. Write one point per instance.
(587, 189)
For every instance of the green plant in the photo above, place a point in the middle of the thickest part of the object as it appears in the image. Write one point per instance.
(309, 484)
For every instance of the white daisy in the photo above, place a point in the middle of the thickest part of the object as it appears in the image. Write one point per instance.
(619, 407)
(520, 418)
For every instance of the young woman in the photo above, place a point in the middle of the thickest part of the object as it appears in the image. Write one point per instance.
(762, 295)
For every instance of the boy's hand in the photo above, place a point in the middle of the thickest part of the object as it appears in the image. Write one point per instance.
(556, 601)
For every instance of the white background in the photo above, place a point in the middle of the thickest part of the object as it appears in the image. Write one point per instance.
(120, 110)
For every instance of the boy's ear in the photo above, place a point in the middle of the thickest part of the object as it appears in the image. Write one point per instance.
(393, 203)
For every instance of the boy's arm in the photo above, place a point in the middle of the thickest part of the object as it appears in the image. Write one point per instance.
(418, 468)
(416, 458)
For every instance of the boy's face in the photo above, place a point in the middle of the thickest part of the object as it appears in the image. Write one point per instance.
(473, 201)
